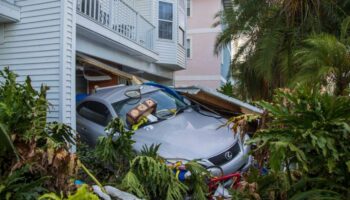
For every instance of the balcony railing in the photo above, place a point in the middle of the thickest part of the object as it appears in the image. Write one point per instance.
(121, 18)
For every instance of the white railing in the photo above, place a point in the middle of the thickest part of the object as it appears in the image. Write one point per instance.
(121, 18)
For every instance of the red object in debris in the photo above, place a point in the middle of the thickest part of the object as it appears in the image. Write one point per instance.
(213, 183)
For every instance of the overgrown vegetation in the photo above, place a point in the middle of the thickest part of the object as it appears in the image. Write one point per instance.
(305, 145)
(151, 179)
(82, 193)
(34, 154)
(304, 138)
(147, 175)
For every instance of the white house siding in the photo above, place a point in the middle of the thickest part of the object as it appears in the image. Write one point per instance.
(181, 56)
(67, 64)
(145, 8)
(38, 46)
(131, 3)
(181, 52)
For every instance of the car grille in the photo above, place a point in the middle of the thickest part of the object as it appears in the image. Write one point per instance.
(226, 156)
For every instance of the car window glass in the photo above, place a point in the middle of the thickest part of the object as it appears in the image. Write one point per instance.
(95, 112)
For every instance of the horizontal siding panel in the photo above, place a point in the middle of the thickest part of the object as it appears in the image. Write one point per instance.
(37, 66)
(39, 18)
(44, 12)
(46, 29)
(181, 56)
(33, 37)
(37, 48)
(31, 71)
(32, 43)
(33, 2)
(53, 113)
(41, 6)
(53, 97)
(50, 83)
(31, 61)
(41, 77)
(35, 25)
(38, 54)
(54, 102)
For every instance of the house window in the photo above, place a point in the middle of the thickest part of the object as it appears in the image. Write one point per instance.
(165, 20)
(188, 8)
(181, 36)
(188, 48)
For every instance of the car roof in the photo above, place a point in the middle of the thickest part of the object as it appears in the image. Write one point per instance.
(116, 94)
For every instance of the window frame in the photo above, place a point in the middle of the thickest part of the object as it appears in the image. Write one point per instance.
(166, 20)
(189, 8)
(107, 117)
(181, 32)
(181, 21)
(189, 49)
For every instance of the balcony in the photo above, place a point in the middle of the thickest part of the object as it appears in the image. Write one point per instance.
(120, 18)
(9, 13)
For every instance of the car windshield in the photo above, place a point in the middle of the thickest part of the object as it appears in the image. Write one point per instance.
(167, 106)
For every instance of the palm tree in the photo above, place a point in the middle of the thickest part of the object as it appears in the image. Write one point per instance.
(327, 59)
(274, 30)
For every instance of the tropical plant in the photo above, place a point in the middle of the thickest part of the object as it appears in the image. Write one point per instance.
(87, 156)
(29, 142)
(115, 150)
(325, 59)
(82, 193)
(117, 145)
(307, 143)
(151, 151)
(197, 182)
(270, 32)
(18, 185)
(226, 89)
(151, 179)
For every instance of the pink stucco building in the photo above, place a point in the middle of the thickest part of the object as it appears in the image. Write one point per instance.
(203, 67)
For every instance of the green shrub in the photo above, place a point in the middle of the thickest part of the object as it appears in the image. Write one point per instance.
(30, 147)
(308, 140)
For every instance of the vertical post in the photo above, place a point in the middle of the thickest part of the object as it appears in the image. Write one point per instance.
(85, 6)
(152, 38)
(96, 10)
(111, 13)
(116, 14)
(137, 28)
(91, 3)
(2, 33)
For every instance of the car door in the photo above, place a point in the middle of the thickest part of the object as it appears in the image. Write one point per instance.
(92, 119)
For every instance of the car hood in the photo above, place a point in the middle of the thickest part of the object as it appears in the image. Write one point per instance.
(189, 135)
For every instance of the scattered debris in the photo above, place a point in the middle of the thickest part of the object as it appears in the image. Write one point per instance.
(213, 100)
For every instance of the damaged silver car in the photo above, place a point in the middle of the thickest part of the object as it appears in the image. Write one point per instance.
(184, 129)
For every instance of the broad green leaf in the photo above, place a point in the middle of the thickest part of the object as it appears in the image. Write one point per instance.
(348, 165)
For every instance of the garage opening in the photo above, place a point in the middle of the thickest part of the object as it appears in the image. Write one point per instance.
(92, 73)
